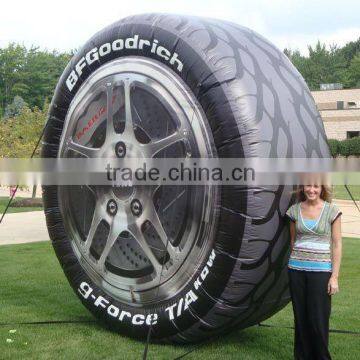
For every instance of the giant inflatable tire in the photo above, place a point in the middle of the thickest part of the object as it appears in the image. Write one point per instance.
(173, 85)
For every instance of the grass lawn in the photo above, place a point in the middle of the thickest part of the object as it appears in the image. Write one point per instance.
(4, 201)
(341, 193)
(33, 288)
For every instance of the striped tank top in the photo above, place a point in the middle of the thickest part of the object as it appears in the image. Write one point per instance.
(312, 246)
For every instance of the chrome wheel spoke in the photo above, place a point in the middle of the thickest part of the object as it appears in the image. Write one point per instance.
(83, 150)
(153, 217)
(129, 125)
(140, 238)
(152, 148)
(98, 216)
(154, 189)
(110, 130)
(116, 228)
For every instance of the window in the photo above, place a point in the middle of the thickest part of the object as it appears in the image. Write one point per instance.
(351, 104)
(340, 105)
(351, 134)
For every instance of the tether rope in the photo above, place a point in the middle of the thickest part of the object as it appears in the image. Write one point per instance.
(146, 348)
(17, 186)
(352, 198)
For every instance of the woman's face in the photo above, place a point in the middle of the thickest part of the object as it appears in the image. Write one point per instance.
(312, 192)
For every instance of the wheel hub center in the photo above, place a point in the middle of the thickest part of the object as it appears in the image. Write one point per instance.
(123, 192)
(120, 149)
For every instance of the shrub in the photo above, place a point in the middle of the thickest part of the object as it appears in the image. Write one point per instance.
(19, 134)
(344, 147)
(354, 146)
(334, 147)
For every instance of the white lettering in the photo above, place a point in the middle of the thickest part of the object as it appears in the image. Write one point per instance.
(197, 283)
(101, 301)
(143, 42)
(138, 319)
(211, 258)
(113, 310)
(80, 65)
(179, 63)
(124, 313)
(151, 319)
(170, 309)
(164, 53)
(130, 43)
(85, 290)
(105, 49)
(92, 56)
(179, 309)
(155, 43)
(133, 41)
(204, 273)
(189, 298)
(71, 80)
(118, 45)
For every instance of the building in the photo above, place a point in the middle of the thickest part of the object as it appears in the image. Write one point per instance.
(340, 111)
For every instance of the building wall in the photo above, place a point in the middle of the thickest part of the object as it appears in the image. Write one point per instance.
(337, 130)
(338, 122)
(336, 95)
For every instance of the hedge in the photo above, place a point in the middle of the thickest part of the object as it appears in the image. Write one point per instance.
(345, 147)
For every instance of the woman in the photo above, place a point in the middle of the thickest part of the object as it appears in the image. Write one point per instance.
(313, 268)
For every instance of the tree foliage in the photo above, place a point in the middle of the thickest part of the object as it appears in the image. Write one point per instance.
(29, 73)
(333, 65)
(354, 72)
(19, 134)
(15, 107)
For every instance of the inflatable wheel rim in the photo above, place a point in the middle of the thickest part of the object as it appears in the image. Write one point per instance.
(168, 280)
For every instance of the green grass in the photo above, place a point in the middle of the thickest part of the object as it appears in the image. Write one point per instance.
(33, 288)
(341, 193)
(4, 201)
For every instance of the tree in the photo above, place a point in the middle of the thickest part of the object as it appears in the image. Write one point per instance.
(12, 61)
(353, 73)
(15, 107)
(29, 73)
(322, 65)
(19, 134)
(350, 50)
(326, 66)
(43, 70)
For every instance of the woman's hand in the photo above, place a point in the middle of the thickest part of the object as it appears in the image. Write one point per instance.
(333, 286)
(336, 251)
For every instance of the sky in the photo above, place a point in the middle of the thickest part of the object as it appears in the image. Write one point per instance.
(67, 24)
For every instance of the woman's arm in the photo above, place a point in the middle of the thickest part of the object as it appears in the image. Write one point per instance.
(336, 252)
(292, 235)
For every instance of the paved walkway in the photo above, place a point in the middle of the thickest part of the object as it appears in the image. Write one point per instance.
(4, 191)
(23, 227)
(30, 226)
(350, 222)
